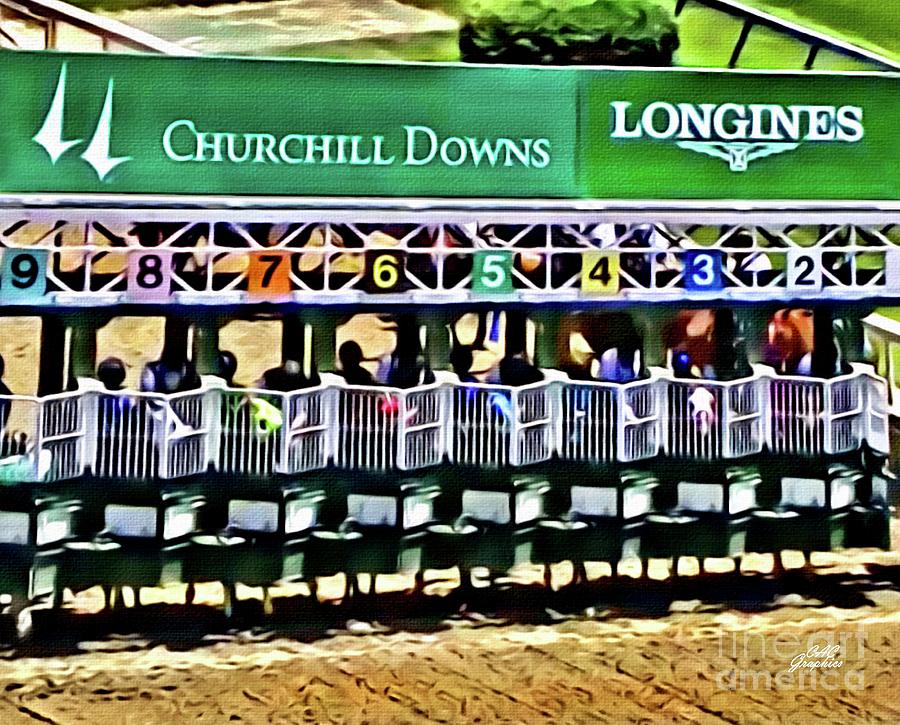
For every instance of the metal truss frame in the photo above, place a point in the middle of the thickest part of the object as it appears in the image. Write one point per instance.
(762, 255)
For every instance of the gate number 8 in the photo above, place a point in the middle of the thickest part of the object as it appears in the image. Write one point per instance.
(149, 274)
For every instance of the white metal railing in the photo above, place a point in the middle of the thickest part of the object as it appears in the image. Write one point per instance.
(379, 428)
(36, 25)
(601, 421)
(43, 438)
(711, 419)
(497, 425)
(261, 432)
(148, 435)
(813, 39)
(128, 434)
(812, 416)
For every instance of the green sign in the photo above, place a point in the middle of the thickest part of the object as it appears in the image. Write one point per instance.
(157, 125)
(730, 135)
(78, 123)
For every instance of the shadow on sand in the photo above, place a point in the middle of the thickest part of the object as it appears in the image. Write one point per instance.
(182, 627)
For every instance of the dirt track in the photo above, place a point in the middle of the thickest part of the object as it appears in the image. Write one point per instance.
(630, 652)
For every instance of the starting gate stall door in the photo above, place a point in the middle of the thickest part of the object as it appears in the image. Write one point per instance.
(877, 428)
(709, 419)
(262, 432)
(814, 416)
(43, 439)
(307, 415)
(148, 435)
(845, 413)
(602, 422)
(498, 425)
(381, 428)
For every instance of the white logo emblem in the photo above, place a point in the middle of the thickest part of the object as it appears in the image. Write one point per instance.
(50, 137)
(737, 154)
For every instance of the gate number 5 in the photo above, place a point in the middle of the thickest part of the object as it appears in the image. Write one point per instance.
(493, 273)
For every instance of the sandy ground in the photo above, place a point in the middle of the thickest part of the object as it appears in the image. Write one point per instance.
(701, 650)
(285, 27)
(256, 344)
(614, 652)
(331, 28)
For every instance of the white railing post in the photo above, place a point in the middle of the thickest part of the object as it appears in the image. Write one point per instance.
(287, 400)
(765, 408)
(446, 402)
(402, 411)
(212, 417)
(726, 418)
(89, 388)
(38, 442)
(621, 400)
(665, 413)
(449, 418)
(515, 459)
(330, 419)
(828, 414)
(557, 414)
(163, 440)
(554, 392)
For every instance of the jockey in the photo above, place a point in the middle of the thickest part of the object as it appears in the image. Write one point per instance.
(351, 358)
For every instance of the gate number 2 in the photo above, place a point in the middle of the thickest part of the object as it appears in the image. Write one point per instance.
(804, 271)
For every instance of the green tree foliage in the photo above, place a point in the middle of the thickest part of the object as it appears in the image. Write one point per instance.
(567, 32)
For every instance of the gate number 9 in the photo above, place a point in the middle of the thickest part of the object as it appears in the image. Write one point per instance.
(23, 275)
(24, 270)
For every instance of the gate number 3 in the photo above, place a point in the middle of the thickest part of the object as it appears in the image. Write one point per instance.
(703, 271)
